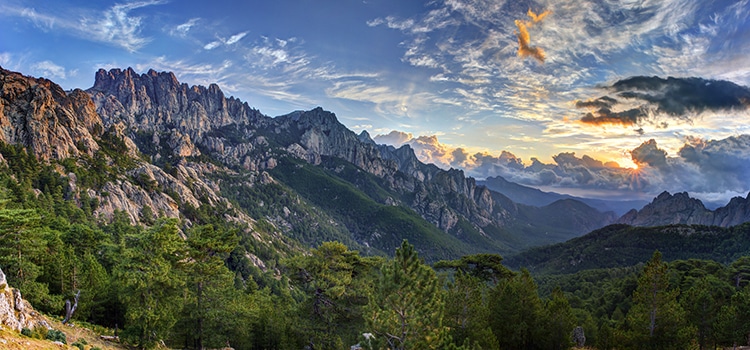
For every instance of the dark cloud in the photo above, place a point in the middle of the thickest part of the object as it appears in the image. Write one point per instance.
(601, 102)
(648, 153)
(606, 116)
(680, 98)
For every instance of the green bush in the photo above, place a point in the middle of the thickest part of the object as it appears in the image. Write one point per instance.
(39, 333)
(56, 335)
(79, 345)
(25, 331)
(82, 341)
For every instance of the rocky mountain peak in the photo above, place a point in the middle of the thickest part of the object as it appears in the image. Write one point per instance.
(41, 116)
(680, 208)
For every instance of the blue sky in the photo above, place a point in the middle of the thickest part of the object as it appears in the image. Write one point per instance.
(445, 76)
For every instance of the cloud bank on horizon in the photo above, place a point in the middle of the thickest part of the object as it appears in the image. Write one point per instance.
(568, 85)
(714, 171)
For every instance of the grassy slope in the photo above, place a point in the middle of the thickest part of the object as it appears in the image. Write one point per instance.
(12, 340)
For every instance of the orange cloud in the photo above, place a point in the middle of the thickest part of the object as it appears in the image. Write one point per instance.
(540, 17)
(524, 40)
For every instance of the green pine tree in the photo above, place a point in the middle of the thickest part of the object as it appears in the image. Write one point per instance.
(560, 321)
(656, 320)
(336, 282)
(517, 313)
(152, 283)
(405, 310)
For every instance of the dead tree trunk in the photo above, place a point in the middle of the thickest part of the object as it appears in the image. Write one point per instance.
(70, 310)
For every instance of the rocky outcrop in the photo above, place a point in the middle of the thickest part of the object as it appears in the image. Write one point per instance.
(667, 209)
(39, 115)
(15, 312)
(156, 101)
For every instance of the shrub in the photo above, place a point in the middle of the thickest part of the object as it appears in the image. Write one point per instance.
(79, 346)
(26, 332)
(56, 335)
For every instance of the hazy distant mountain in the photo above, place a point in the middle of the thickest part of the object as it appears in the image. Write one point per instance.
(533, 196)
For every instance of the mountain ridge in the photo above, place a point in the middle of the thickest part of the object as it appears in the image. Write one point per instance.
(183, 147)
(680, 208)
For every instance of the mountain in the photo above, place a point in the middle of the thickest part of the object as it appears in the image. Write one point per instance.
(621, 245)
(680, 208)
(146, 144)
(536, 197)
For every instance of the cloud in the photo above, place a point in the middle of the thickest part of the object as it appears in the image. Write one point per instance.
(114, 26)
(713, 170)
(395, 138)
(181, 30)
(212, 45)
(524, 49)
(677, 98)
(648, 153)
(118, 27)
(49, 70)
(221, 41)
(235, 38)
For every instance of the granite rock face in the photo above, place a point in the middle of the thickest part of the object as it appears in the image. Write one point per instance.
(39, 115)
(15, 312)
(196, 117)
(680, 208)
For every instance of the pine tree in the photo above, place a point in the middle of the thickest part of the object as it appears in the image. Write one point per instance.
(732, 325)
(466, 312)
(21, 244)
(560, 321)
(405, 310)
(335, 281)
(656, 320)
(151, 283)
(211, 284)
(517, 314)
(702, 303)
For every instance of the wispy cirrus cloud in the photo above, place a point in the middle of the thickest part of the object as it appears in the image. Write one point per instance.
(474, 49)
(225, 41)
(181, 30)
(113, 26)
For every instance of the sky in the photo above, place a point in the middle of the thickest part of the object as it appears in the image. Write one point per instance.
(601, 98)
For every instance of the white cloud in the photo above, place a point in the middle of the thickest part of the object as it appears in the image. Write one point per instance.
(713, 170)
(221, 41)
(49, 70)
(5, 59)
(114, 26)
(183, 29)
(212, 45)
(235, 38)
(118, 27)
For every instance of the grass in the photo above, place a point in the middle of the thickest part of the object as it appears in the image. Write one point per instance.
(12, 340)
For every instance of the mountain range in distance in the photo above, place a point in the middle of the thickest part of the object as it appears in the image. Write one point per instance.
(175, 148)
(536, 197)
